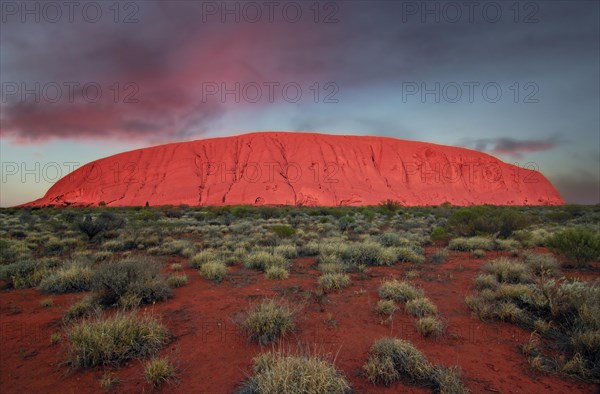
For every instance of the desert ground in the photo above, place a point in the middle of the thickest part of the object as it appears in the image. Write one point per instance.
(379, 299)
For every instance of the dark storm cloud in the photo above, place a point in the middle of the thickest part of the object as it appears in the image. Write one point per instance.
(173, 50)
(513, 147)
(581, 187)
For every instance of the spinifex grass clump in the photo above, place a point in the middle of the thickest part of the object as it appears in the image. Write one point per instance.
(393, 359)
(113, 340)
(334, 281)
(262, 260)
(277, 372)
(565, 313)
(269, 320)
(158, 371)
(72, 277)
(395, 290)
(214, 270)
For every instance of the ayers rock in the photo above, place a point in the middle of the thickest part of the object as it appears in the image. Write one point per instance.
(300, 169)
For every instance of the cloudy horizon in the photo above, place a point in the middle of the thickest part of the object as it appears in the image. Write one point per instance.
(519, 81)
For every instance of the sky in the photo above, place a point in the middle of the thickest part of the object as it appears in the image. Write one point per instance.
(88, 79)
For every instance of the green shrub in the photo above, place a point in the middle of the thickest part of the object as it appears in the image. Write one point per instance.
(277, 372)
(334, 281)
(106, 221)
(276, 273)
(158, 371)
(476, 220)
(268, 321)
(580, 245)
(399, 291)
(440, 234)
(73, 277)
(283, 230)
(124, 282)
(113, 340)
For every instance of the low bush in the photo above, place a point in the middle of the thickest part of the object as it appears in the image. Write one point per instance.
(113, 340)
(283, 230)
(485, 219)
(277, 372)
(580, 245)
(334, 281)
(129, 283)
(399, 291)
(104, 222)
(268, 321)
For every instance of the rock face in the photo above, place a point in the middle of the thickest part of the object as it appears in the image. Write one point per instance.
(300, 169)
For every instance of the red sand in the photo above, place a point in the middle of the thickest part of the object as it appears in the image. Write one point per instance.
(213, 356)
(300, 169)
